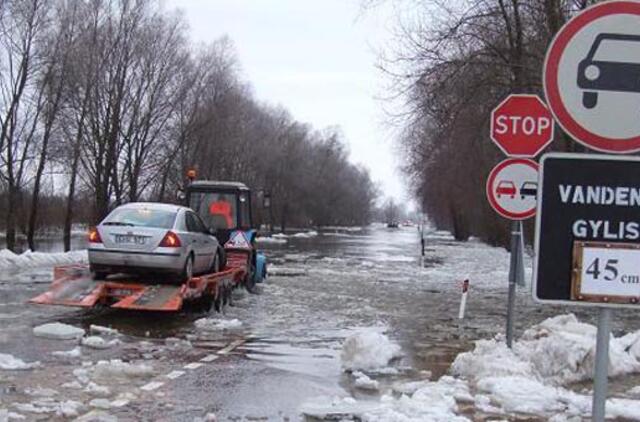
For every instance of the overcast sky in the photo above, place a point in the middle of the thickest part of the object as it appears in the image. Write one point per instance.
(315, 58)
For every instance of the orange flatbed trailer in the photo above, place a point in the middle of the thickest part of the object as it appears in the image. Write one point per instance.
(73, 285)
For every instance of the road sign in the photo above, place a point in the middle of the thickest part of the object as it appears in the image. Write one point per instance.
(521, 125)
(588, 230)
(591, 77)
(512, 187)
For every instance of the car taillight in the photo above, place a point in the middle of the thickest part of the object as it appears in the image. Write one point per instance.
(94, 236)
(170, 240)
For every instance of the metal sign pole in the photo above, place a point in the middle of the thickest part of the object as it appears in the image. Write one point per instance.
(601, 373)
(513, 275)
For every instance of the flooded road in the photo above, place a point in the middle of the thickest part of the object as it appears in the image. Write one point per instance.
(274, 351)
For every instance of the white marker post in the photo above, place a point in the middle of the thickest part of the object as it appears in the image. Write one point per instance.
(463, 299)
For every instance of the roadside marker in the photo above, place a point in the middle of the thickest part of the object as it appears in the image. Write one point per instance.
(463, 300)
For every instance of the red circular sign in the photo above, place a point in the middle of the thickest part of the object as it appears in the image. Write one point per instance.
(589, 56)
(521, 125)
(512, 188)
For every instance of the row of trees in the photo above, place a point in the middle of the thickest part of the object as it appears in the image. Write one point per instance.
(106, 101)
(455, 62)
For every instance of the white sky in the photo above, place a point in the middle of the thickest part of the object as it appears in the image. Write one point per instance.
(315, 58)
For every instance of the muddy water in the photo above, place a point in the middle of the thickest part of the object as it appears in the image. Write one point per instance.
(287, 351)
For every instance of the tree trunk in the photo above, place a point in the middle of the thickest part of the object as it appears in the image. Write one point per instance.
(11, 219)
(33, 212)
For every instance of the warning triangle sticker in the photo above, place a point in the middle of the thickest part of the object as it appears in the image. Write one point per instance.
(238, 240)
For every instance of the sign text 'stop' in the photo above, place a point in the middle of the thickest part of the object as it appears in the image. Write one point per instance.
(521, 125)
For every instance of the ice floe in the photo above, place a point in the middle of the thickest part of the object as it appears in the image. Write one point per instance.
(368, 349)
(58, 331)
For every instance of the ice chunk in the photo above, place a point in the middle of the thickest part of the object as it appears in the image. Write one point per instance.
(103, 404)
(364, 382)
(97, 416)
(368, 349)
(58, 331)
(97, 342)
(76, 352)
(99, 329)
(10, 362)
(305, 235)
(118, 369)
(212, 324)
(97, 390)
(176, 343)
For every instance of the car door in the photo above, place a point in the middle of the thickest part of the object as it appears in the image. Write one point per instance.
(208, 243)
(201, 245)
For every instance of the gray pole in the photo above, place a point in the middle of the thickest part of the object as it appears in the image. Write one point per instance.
(513, 275)
(601, 372)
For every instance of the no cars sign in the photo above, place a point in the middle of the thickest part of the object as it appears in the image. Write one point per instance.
(592, 77)
(512, 188)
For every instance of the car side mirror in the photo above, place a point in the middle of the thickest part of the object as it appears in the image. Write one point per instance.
(212, 232)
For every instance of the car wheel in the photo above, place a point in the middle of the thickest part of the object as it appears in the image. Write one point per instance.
(589, 99)
(187, 272)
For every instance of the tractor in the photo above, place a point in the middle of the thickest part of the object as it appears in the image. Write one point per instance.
(225, 207)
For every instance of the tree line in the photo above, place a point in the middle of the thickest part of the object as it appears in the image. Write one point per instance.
(453, 63)
(107, 101)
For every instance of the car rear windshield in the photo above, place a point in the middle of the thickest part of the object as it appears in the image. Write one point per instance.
(141, 217)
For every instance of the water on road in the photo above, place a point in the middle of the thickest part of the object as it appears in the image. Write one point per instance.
(272, 351)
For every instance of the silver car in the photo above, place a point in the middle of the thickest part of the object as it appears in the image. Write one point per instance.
(149, 237)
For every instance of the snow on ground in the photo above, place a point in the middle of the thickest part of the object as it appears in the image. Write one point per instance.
(9, 260)
(368, 349)
(58, 331)
(531, 379)
(271, 240)
(10, 362)
(215, 324)
(300, 235)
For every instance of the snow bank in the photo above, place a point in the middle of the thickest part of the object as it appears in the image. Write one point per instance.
(10, 260)
(435, 401)
(58, 331)
(368, 349)
(271, 240)
(305, 235)
(10, 362)
(558, 351)
(213, 324)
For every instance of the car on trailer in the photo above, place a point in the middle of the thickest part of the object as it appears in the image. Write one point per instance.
(153, 238)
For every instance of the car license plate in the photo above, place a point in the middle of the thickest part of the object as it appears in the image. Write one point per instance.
(129, 238)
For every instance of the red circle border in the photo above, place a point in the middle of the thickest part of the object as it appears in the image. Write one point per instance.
(552, 92)
(492, 201)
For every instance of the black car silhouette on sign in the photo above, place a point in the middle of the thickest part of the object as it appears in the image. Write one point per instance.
(612, 64)
(528, 189)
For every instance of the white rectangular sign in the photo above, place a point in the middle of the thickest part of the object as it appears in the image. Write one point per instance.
(610, 272)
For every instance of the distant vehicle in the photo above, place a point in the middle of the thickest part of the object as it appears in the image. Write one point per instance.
(612, 64)
(393, 225)
(528, 189)
(506, 187)
(143, 238)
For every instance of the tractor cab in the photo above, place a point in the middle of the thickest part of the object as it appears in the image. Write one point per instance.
(224, 207)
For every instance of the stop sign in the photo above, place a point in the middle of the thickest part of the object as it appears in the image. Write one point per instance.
(521, 125)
